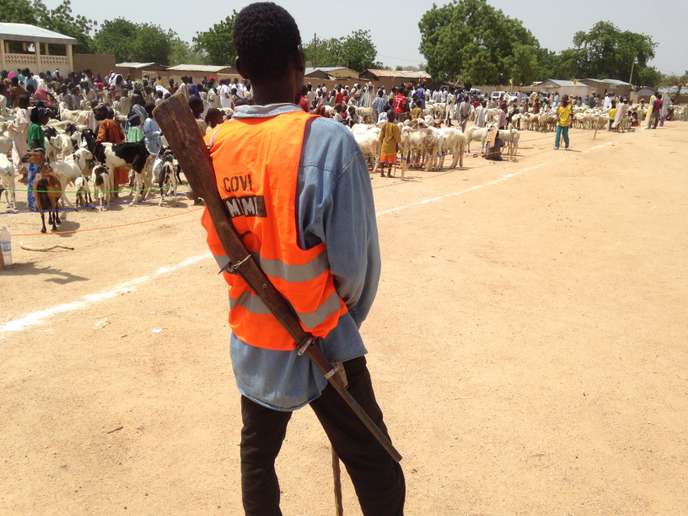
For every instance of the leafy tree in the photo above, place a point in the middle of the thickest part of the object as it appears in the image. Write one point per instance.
(358, 50)
(131, 41)
(648, 76)
(472, 41)
(217, 43)
(18, 11)
(323, 52)
(567, 64)
(607, 52)
(151, 43)
(116, 37)
(62, 20)
(523, 64)
(182, 52)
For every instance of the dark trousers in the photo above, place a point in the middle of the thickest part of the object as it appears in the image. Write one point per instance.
(377, 479)
(654, 119)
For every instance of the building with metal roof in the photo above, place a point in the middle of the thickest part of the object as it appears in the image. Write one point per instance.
(403, 75)
(139, 70)
(391, 78)
(611, 86)
(572, 88)
(198, 72)
(331, 73)
(38, 49)
(201, 68)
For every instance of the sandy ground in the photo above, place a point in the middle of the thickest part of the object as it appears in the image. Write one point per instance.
(528, 347)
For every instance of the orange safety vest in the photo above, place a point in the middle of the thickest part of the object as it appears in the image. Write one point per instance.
(256, 163)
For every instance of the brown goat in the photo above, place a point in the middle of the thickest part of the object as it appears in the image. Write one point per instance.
(47, 188)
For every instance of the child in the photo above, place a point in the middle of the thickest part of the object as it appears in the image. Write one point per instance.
(390, 138)
(612, 114)
(35, 141)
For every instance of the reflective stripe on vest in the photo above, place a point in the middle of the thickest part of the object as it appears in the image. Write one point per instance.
(256, 162)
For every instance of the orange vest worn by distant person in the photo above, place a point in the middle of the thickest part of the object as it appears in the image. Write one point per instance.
(256, 163)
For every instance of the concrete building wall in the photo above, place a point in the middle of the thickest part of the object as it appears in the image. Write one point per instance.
(101, 64)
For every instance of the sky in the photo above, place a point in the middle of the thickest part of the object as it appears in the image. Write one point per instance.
(394, 23)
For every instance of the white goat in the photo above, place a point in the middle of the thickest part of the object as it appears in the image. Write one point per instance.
(7, 173)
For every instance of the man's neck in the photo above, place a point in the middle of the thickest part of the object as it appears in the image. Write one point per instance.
(273, 93)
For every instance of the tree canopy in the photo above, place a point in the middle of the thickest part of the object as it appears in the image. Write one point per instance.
(356, 51)
(472, 42)
(217, 43)
(130, 41)
(605, 51)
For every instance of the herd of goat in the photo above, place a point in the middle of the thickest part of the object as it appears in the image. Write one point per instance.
(72, 156)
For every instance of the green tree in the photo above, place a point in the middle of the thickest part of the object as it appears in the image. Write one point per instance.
(130, 41)
(323, 52)
(217, 43)
(358, 51)
(116, 37)
(182, 52)
(648, 76)
(470, 40)
(567, 65)
(63, 20)
(151, 43)
(605, 51)
(18, 11)
(523, 64)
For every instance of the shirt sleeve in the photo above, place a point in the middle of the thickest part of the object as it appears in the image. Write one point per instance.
(351, 239)
(336, 207)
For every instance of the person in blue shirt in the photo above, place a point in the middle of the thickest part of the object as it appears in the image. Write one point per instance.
(334, 207)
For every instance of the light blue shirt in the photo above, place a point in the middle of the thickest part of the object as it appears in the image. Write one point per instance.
(335, 207)
(151, 131)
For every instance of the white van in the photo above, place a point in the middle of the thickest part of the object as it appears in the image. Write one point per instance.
(496, 95)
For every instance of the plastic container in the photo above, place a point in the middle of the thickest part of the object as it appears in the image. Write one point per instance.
(6, 246)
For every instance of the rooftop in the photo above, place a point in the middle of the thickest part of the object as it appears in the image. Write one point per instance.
(405, 74)
(561, 82)
(199, 68)
(138, 66)
(26, 32)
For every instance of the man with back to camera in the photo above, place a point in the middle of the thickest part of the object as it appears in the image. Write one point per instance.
(302, 200)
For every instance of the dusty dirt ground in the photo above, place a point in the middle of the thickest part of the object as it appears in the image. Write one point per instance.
(528, 347)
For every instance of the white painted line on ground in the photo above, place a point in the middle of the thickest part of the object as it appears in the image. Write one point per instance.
(39, 317)
(431, 200)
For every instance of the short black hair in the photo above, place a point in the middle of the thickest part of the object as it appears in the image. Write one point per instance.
(266, 38)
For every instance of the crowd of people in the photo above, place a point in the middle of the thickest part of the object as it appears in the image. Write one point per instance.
(123, 107)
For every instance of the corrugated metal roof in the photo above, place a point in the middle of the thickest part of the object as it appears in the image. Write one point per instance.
(199, 68)
(403, 74)
(137, 65)
(615, 82)
(309, 70)
(26, 32)
(563, 83)
(332, 71)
